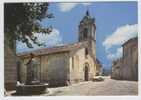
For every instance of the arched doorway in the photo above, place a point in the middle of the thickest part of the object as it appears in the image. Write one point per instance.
(18, 71)
(86, 72)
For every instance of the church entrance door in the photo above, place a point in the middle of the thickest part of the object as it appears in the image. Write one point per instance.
(86, 73)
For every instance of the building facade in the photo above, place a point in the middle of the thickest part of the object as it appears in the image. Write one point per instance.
(99, 69)
(69, 63)
(126, 68)
(10, 68)
(117, 69)
(130, 59)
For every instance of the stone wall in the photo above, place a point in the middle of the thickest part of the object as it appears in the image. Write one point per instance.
(130, 60)
(10, 73)
(117, 69)
(78, 60)
(99, 69)
(127, 67)
(53, 68)
(57, 69)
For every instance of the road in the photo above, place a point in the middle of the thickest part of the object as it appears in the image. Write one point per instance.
(104, 88)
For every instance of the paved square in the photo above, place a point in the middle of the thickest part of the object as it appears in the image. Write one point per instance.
(106, 88)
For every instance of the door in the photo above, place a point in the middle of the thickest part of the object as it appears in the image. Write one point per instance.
(86, 73)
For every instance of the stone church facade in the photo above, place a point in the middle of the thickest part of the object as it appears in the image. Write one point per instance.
(66, 64)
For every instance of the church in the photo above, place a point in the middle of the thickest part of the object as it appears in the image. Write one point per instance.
(65, 64)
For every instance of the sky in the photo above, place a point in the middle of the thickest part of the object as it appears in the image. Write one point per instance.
(116, 23)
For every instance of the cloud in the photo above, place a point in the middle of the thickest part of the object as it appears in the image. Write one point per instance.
(114, 56)
(119, 36)
(52, 39)
(65, 7)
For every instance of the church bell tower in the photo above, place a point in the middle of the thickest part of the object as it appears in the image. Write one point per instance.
(87, 28)
(87, 32)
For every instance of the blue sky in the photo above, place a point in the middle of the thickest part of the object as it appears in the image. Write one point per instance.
(116, 22)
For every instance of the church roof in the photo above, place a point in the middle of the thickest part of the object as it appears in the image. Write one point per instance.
(130, 40)
(52, 50)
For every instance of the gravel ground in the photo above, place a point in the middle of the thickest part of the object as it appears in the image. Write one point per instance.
(106, 88)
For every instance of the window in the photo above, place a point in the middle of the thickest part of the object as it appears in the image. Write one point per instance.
(85, 33)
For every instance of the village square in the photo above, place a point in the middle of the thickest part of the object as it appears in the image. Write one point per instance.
(71, 69)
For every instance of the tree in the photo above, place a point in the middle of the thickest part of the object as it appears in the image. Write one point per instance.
(22, 20)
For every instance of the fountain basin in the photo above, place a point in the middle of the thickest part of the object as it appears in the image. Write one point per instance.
(31, 89)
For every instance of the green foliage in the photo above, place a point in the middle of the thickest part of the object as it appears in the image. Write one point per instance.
(22, 20)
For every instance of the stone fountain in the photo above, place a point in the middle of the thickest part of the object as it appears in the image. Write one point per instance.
(32, 85)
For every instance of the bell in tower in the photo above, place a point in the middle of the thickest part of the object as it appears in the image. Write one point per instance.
(87, 28)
